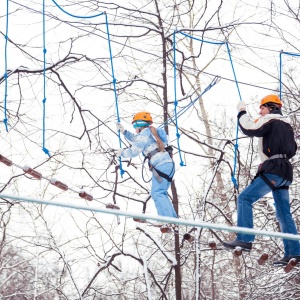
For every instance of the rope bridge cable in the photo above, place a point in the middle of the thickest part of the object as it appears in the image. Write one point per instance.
(235, 79)
(186, 222)
(280, 69)
(5, 67)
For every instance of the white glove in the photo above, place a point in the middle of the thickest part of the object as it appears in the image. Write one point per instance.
(120, 127)
(241, 106)
(119, 153)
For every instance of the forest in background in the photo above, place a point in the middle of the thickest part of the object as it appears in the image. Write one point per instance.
(59, 253)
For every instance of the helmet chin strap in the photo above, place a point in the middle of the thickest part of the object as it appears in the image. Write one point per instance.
(141, 128)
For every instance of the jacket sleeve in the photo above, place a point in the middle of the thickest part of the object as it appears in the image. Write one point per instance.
(258, 128)
(139, 144)
(129, 136)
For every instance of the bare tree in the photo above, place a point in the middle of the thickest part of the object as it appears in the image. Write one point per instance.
(123, 61)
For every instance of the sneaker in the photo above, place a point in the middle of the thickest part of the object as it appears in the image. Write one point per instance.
(286, 259)
(237, 243)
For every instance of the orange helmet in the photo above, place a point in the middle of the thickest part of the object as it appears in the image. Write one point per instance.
(271, 99)
(142, 116)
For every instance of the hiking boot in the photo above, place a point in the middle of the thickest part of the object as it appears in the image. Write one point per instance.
(236, 243)
(285, 260)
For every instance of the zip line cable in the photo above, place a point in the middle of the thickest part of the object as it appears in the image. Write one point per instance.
(186, 222)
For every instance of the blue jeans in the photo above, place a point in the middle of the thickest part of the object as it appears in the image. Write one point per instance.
(257, 189)
(159, 192)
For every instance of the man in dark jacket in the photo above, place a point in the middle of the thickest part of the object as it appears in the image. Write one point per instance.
(275, 173)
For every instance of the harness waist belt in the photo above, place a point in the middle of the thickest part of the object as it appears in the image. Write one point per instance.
(278, 156)
(169, 149)
(153, 152)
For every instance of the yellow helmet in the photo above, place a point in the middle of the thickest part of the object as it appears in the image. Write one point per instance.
(142, 116)
(271, 99)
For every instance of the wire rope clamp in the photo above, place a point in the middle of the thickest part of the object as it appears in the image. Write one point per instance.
(32, 172)
(59, 184)
(85, 195)
(5, 160)
(112, 206)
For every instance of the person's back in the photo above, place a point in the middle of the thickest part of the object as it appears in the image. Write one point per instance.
(151, 142)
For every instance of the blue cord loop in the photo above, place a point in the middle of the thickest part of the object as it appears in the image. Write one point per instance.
(112, 68)
(230, 59)
(184, 109)
(175, 100)
(280, 69)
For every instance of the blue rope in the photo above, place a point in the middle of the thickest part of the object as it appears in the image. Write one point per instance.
(44, 73)
(5, 68)
(200, 40)
(176, 102)
(233, 179)
(230, 59)
(115, 91)
(75, 16)
(280, 69)
(112, 67)
(184, 109)
(280, 73)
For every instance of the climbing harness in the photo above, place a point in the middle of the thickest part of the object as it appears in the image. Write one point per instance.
(161, 148)
(158, 174)
(271, 185)
(267, 181)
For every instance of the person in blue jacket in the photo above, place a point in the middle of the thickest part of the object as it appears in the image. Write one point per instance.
(151, 142)
(275, 173)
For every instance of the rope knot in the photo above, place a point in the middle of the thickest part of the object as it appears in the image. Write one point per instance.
(46, 151)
